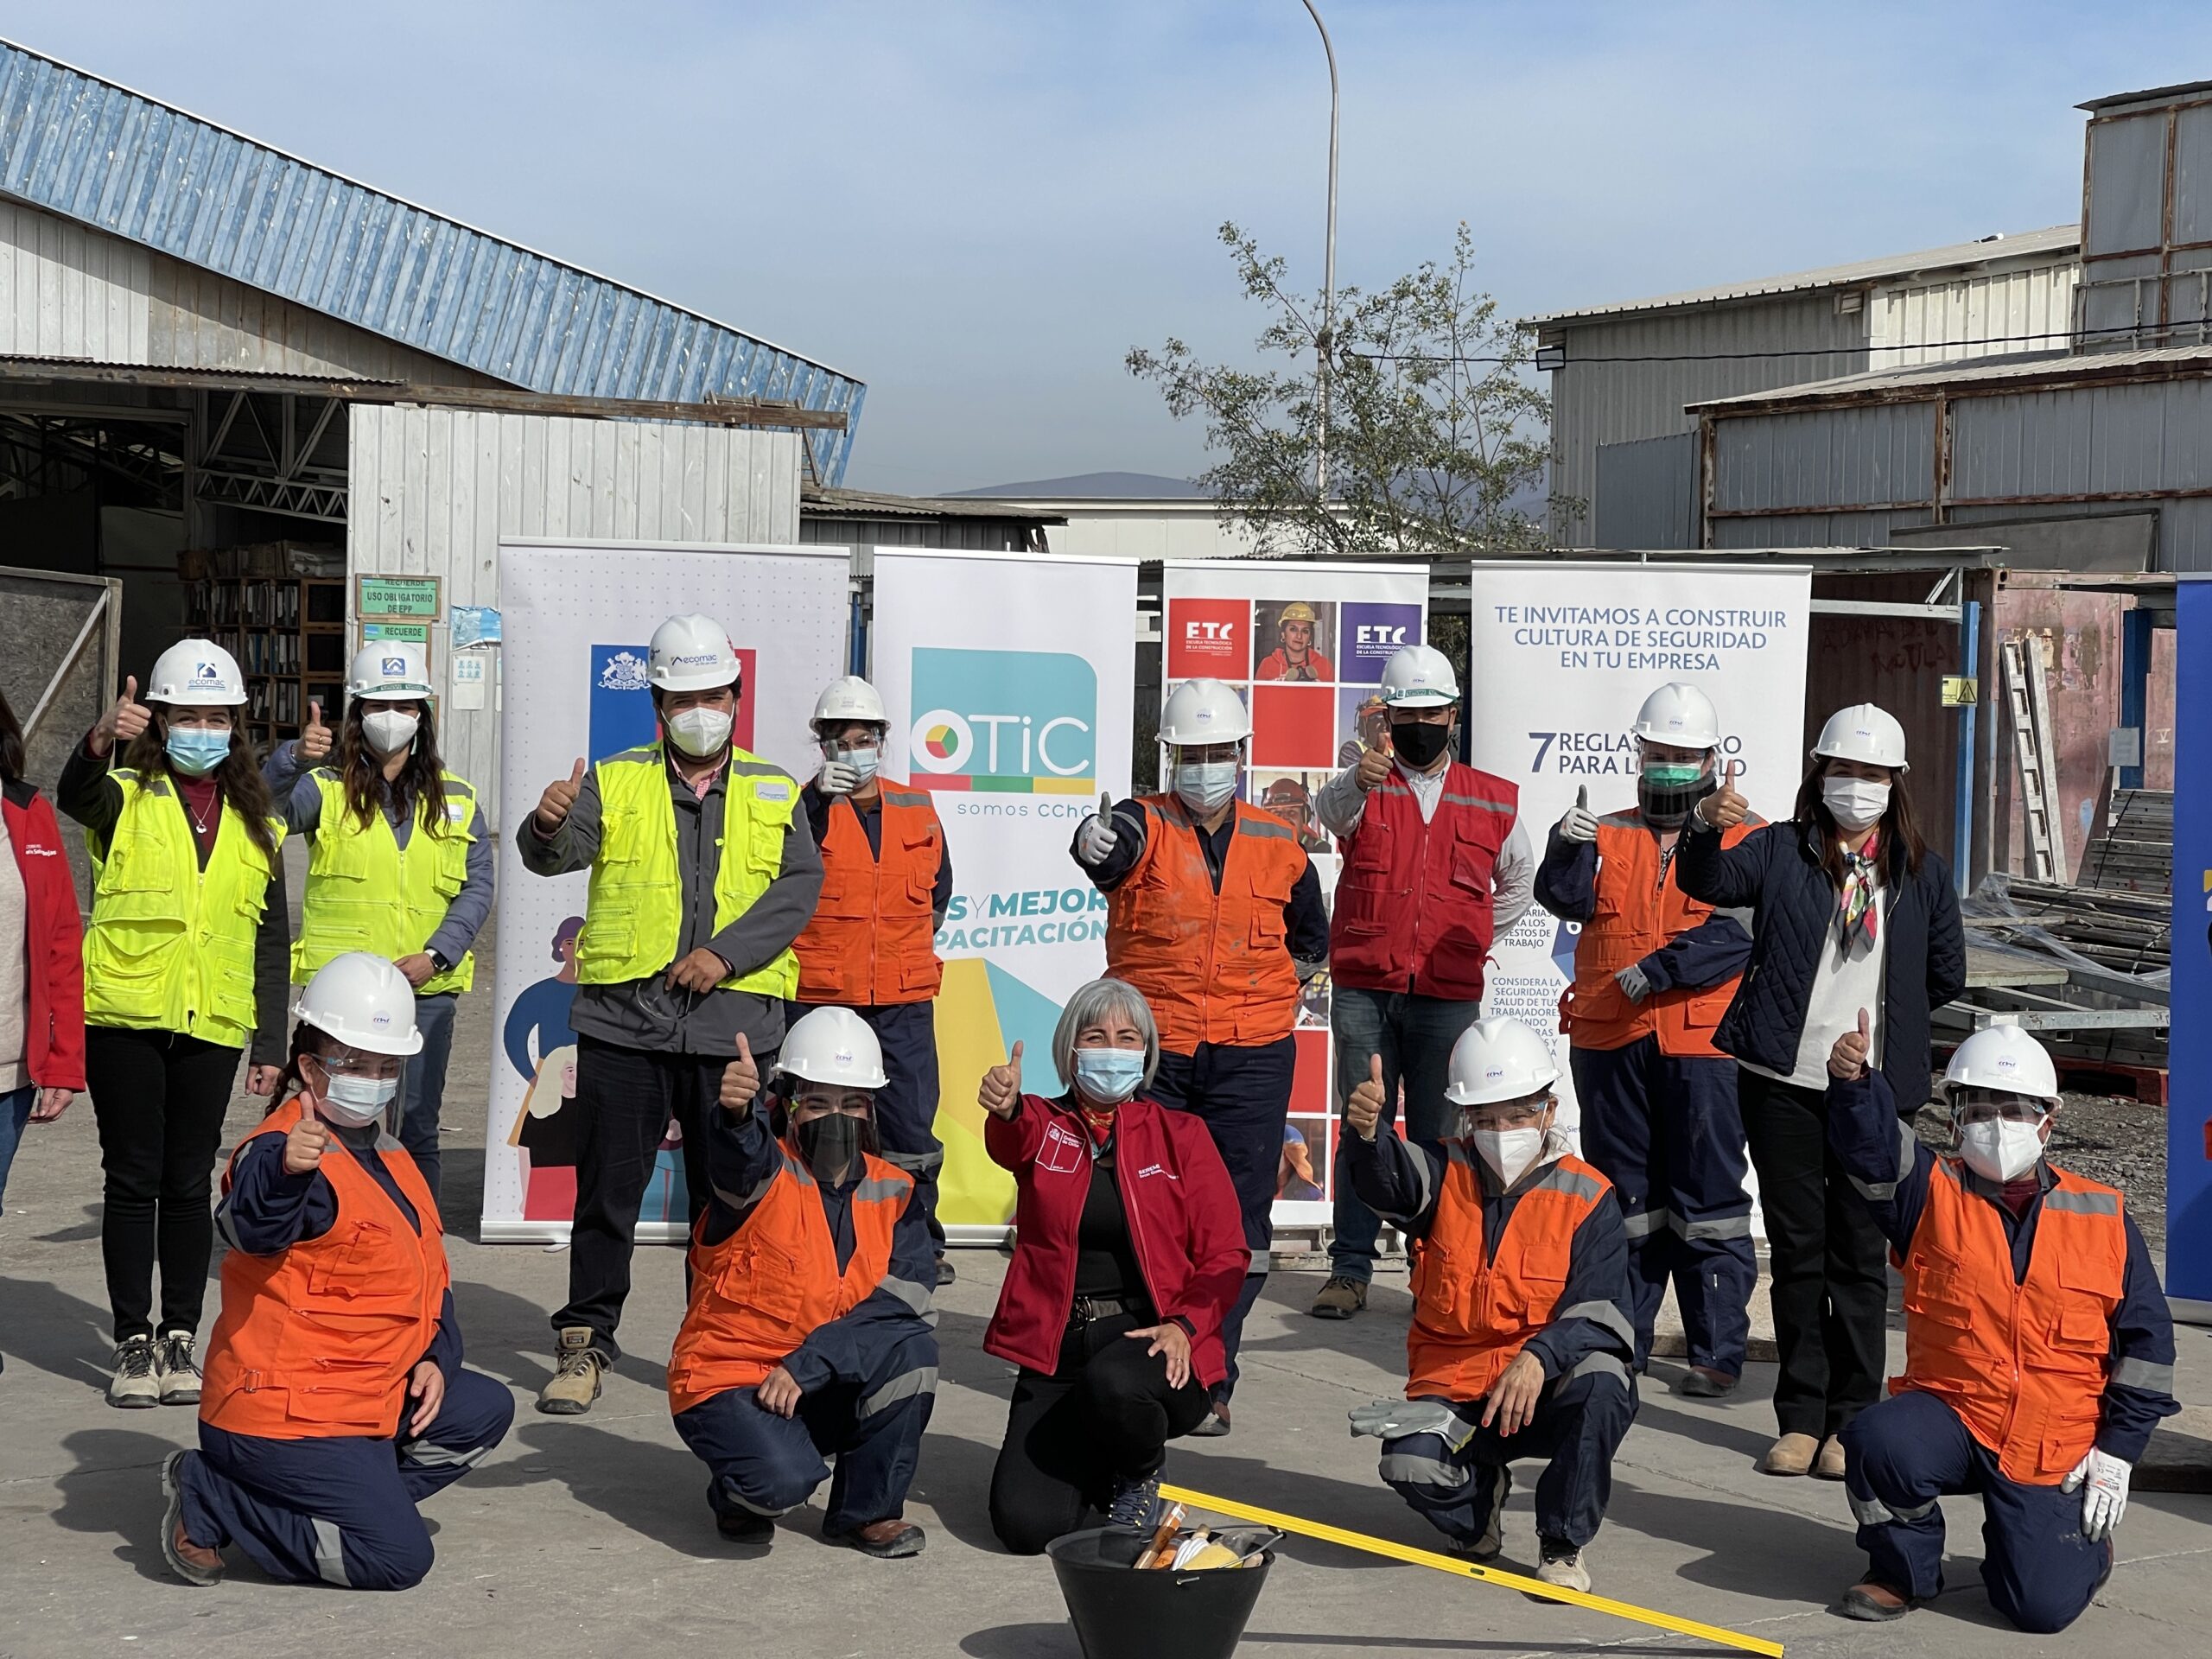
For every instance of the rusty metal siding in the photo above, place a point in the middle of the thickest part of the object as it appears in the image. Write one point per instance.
(1871, 456)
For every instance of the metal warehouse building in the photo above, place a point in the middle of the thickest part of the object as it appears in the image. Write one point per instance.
(233, 385)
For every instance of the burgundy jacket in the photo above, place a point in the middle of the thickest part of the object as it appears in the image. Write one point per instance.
(54, 941)
(1185, 1226)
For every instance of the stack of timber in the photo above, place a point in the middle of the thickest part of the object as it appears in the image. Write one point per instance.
(2128, 931)
(2135, 851)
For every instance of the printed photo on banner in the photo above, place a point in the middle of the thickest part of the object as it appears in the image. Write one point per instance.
(1295, 639)
(1289, 796)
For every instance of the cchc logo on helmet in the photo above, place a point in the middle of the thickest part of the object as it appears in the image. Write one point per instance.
(1005, 721)
(393, 664)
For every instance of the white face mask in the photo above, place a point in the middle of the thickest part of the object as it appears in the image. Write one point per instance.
(357, 1102)
(389, 731)
(700, 732)
(2000, 1150)
(1854, 803)
(1508, 1152)
(1204, 786)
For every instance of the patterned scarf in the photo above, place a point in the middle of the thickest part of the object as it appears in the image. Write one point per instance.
(1858, 919)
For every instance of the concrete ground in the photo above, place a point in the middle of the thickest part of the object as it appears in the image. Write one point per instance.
(591, 1536)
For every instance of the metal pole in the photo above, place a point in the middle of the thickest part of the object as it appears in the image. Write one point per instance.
(1323, 342)
(1969, 720)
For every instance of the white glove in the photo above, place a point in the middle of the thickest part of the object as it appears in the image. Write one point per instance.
(2103, 1480)
(1633, 984)
(1098, 839)
(1580, 824)
(837, 779)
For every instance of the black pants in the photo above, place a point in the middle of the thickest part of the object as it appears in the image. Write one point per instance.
(624, 1098)
(158, 1097)
(1829, 1278)
(1106, 1414)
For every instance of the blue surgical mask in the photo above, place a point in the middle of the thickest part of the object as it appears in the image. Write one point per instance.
(1107, 1077)
(1204, 785)
(195, 751)
(864, 761)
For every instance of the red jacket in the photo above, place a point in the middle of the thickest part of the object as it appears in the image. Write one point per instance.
(1185, 1225)
(53, 940)
(1414, 903)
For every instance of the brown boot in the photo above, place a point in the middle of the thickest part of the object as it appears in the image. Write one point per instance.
(888, 1541)
(575, 1384)
(1340, 1298)
(1792, 1454)
(194, 1563)
(1829, 1465)
(1874, 1604)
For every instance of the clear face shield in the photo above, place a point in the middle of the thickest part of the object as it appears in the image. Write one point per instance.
(1508, 1134)
(2001, 1135)
(356, 1088)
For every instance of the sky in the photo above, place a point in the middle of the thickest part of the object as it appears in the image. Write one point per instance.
(978, 208)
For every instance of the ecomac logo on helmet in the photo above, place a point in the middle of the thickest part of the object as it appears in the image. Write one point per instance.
(1004, 721)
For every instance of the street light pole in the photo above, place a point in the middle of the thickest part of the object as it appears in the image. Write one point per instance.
(1324, 341)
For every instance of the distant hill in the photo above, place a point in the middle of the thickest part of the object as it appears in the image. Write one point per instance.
(1097, 486)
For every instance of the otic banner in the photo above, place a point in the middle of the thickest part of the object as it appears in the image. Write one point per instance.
(1010, 682)
(1562, 656)
(578, 619)
(1304, 644)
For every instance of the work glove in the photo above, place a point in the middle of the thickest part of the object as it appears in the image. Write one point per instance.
(1393, 1419)
(1096, 840)
(1580, 824)
(838, 778)
(2103, 1481)
(1635, 984)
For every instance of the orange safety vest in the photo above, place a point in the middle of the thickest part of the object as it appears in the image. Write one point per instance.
(873, 938)
(1471, 1315)
(1215, 967)
(2024, 1365)
(1640, 909)
(318, 1340)
(770, 1284)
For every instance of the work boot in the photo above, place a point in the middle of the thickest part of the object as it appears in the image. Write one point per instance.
(1703, 1382)
(1339, 1298)
(1215, 1423)
(134, 1386)
(175, 1368)
(945, 1274)
(1792, 1454)
(1829, 1465)
(1873, 1604)
(1486, 1548)
(1562, 1565)
(745, 1529)
(194, 1563)
(1136, 1504)
(888, 1541)
(572, 1388)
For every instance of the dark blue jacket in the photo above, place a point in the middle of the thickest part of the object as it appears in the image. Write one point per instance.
(1776, 872)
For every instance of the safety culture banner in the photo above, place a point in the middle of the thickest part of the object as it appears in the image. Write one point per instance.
(1304, 644)
(578, 619)
(1010, 684)
(1561, 657)
(2189, 1119)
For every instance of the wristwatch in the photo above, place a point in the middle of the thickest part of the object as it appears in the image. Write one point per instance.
(438, 961)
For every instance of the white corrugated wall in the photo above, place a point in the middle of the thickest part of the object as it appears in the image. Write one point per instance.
(1996, 313)
(434, 490)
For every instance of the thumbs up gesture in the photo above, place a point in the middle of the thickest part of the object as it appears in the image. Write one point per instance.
(1580, 824)
(123, 721)
(1724, 808)
(1097, 838)
(1374, 765)
(1364, 1111)
(303, 1144)
(560, 794)
(1848, 1059)
(315, 736)
(740, 1080)
(1001, 1087)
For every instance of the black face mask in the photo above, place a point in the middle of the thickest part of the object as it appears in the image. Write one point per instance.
(1669, 808)
(1418, 742)
(830, 1143)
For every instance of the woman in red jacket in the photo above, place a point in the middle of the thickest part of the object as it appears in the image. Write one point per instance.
(1113, 1304)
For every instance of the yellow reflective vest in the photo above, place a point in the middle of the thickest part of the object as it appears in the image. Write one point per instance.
(170, 945)
(633, 914)
(366, 892)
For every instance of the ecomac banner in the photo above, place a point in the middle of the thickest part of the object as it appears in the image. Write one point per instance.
(1304, 644)
(578, 619)
(1561, 658)
(1010, 684)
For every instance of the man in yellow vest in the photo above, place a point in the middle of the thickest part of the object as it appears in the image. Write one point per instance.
(700, 880)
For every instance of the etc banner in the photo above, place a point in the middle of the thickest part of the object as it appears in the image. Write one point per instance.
(1304, 644)
(2188, 1118)
(1009, 680)
(1561, 657)
(578, 619)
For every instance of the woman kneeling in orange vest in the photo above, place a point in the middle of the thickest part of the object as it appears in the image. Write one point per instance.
(335, 1400)
(810, 1332)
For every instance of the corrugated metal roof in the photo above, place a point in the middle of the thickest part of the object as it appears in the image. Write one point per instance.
(2058, 238)
(2041, 367)
(135, 167)
(2152, 95)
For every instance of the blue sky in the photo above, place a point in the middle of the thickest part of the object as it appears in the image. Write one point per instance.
(978, 207)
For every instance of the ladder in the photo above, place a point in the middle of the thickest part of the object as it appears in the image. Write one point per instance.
(2027, 692)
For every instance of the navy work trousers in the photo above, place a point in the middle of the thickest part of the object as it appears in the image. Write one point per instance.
(1664, 1130)
(422, 1083)
(340, 1508)
(1242, 1096)
(1903, 1454)
(906, 1107)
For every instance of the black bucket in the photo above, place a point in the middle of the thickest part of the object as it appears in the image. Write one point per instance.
(1121, 1614)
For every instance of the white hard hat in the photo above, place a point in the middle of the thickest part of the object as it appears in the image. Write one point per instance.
(364, 1001)
(1679, 716)
(690, 653)
(196, 674)
(1863, 732)
(833, 1045)
(848, 699)
(2004, 1059)
(1204, 711)
(1419, 677)
(394, 670)
(1498, 1058)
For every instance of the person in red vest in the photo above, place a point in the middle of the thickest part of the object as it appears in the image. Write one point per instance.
(809, 1332)
(335, 1400)
(1654, 971)
(1435, 867)
(871, 944)
(1214, 913)
(1520, 1344)
(2038, 1347)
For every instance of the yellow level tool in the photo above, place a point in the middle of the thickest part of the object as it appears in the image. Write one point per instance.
(1470, 1570)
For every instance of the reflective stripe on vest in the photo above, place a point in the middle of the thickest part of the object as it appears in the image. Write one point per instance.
(1412, 904)
(1639, 910)
(318, 1340)
(1473, 1314)
(366, 892)
(170, 945)
(873, 937)
(1215, 967)
(2024, 1365)
(634, 911)
(770, 1284)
